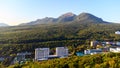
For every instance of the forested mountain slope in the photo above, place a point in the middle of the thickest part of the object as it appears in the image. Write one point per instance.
(27, 38)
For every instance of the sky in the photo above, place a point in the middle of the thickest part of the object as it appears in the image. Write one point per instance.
(14, 12)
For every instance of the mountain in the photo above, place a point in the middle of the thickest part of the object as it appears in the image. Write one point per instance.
(87, 17)
(16, 39)
(68, 17)
(3, 25)
(41, 21)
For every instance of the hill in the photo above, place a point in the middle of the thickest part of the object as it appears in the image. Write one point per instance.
(68, 17)
(3, 25)
(87, 17)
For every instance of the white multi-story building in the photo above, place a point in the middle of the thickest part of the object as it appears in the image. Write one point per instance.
(115, 49)
(61, 51)
(41, 53)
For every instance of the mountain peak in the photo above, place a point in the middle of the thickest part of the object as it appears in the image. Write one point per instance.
(69, 14)
(67, 17)
(87, 17)
(86, 14)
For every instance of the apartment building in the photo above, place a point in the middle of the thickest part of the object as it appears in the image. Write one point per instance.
(41, 53)
(62, 51)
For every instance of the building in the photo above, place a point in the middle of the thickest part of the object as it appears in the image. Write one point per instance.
(106, 49)
(2, 59)
(41, 53)
(93, 51)
(61, 51)
(93, 43)
(116, 49)
(21, 57)
(117, 32)
(79, 54)
(118, 43)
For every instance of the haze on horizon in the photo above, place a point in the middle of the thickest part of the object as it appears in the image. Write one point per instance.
(14, 12)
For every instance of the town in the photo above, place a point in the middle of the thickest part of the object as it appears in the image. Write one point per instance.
(41, 54)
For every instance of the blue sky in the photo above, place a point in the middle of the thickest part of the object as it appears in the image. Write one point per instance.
(14, 12)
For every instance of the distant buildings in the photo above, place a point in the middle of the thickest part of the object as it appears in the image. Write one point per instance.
(107, 46)
(43, 53)
(93, 51)
(21, 57)
(105, 43)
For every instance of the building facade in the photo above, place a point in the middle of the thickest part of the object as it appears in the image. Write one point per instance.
(62, 51)
(41, 53)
